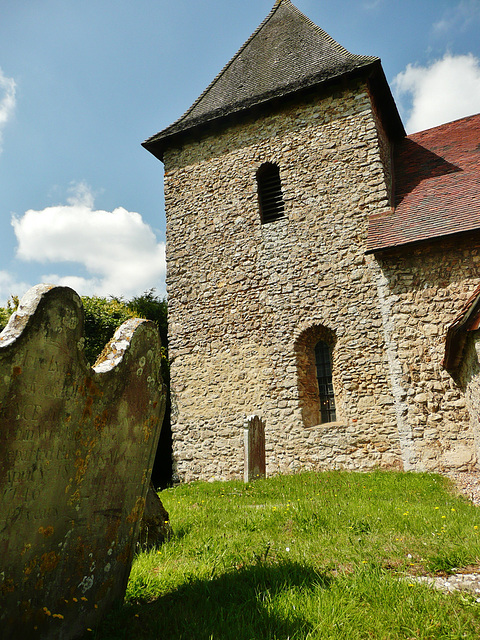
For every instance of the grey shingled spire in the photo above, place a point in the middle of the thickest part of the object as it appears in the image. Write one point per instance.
(287, 53)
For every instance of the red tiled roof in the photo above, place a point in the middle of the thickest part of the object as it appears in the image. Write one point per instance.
(437, 186)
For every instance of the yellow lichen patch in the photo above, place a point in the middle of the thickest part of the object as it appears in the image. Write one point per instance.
(137, 511)
(26, 547)
(48, 561)
(81, 466)
(30, 566)
(147, 431)
(75, 497)
(47, 531)
(149, 427)
(100, 422)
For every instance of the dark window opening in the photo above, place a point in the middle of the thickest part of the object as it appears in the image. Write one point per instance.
(323, 364)
(270, 196)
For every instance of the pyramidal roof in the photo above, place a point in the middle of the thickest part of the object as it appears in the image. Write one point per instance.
(287, 52)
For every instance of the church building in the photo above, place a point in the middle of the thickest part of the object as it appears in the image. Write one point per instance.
(323, 268)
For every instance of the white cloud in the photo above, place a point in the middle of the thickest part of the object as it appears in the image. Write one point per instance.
(118, 249)
(446, 90)
(7, 101)
(458, 17)
(82, 195)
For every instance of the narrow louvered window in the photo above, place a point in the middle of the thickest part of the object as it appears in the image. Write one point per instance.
(270, 193)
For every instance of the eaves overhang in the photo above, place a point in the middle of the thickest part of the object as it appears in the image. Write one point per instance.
(384, 249)
(177, 133)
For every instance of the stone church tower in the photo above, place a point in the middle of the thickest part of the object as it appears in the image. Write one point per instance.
(278, 306)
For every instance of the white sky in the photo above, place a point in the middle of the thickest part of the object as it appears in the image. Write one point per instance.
(82, 84)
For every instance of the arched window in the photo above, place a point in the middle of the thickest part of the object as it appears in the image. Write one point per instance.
(314, 350)
(270, 196)
(323, 363)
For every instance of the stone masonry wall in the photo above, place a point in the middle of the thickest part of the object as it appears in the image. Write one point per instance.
(469, 380)
(422, 290)
(242, 295)
(247, 302)
(386, 151)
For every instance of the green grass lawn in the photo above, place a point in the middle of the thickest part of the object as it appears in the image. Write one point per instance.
(315, 555)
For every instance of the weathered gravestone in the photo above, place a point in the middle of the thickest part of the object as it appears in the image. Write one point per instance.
(155, 527)
(76, 450)
(254, 441)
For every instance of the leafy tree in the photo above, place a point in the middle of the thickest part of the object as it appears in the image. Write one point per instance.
(102, 317)
(6, 312)
(4, 316)
(151, 307)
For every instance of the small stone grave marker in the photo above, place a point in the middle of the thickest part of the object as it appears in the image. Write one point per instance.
(254, 438)
(76, 451)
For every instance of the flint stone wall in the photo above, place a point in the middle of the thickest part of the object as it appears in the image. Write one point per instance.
(241, 295)
(77, 448)
(469, 379)
(422, 291)
(247, 302)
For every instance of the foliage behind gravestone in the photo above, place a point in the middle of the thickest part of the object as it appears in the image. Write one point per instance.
(4, 316)
(6, 312)
(151, 307)
(102, 317)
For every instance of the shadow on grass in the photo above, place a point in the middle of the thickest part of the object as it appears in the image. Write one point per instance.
(235, 605)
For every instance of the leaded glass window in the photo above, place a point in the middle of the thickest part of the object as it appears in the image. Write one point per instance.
(323, 363)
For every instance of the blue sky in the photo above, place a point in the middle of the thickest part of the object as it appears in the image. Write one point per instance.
(84, 82)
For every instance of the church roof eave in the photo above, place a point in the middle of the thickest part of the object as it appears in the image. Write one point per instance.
(179, 130)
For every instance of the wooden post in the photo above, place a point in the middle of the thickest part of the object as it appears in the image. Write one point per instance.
(254, 438)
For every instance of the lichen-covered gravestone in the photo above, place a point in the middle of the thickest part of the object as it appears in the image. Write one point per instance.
(76, 450)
